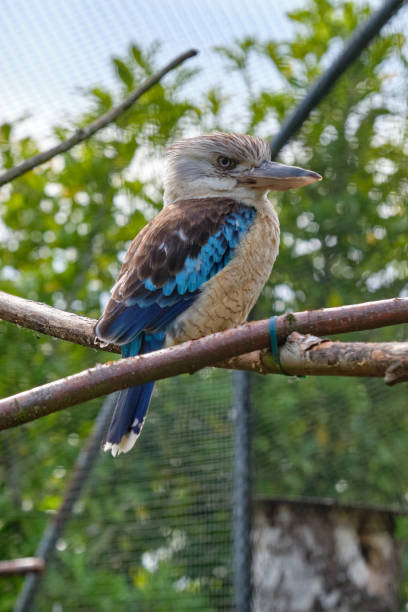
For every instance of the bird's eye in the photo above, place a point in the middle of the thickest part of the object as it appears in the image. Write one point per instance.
(226, 163)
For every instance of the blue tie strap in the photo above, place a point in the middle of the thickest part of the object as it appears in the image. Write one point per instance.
(274, 346)
(274, 342)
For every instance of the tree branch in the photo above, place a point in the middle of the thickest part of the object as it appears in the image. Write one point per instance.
(21, 566)
(214, 349)
(308, 355)
(84, 133)
(50, 321)
(80, 330)
(300, 356)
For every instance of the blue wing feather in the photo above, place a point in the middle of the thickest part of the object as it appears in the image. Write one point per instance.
(153, 308)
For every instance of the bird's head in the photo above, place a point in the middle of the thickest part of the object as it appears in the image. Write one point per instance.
(228, 165)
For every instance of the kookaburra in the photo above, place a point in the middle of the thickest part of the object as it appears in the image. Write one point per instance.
(200, 265)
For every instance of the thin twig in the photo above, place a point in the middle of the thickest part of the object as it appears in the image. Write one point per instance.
(83, 133)
(80, 330)
(188, 357)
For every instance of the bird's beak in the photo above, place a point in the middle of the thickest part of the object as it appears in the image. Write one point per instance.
(271, 175)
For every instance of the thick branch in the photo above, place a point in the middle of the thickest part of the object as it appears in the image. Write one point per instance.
(188, 357)
(300, 356)
(51, 321)
(309, 355)
(74, 328)
(83, 133)
(21, 566)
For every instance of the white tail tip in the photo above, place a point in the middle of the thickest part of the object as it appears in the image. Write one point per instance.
(125, 445)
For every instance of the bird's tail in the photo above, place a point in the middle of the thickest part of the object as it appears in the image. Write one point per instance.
(132, 404)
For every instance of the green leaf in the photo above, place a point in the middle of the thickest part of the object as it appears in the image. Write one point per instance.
(124, 73)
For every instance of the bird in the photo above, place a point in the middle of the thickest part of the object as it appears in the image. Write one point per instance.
(199, 266)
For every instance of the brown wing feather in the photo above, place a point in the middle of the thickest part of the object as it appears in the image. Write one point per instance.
(161, 248)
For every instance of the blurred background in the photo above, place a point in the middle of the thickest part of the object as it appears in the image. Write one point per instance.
(153, 529)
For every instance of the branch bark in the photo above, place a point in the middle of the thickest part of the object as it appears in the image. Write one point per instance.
(308, 355)
(80, 330)
(84, 133)
(215, 349)
(300, 356)
(21, 566)
(50, 321)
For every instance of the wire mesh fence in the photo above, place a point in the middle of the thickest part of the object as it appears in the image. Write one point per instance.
(308, 442)
(174, 500)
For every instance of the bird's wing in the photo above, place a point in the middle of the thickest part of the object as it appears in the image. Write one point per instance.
(185, 245)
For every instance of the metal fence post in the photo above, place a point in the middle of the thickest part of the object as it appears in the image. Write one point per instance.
(242, 492)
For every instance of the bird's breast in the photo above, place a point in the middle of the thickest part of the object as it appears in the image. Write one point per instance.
(227, 298)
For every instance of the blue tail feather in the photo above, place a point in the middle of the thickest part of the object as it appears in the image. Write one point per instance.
(132, 404)
(130, 412)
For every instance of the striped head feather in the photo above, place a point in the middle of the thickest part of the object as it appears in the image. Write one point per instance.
(198, 168)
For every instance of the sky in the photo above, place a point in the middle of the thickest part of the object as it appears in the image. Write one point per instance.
(51, 51)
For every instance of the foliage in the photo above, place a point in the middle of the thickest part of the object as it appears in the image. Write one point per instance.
(343, 241)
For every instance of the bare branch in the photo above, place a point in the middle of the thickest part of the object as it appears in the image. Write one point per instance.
(191, 356)
(74, 328)
(300, 356)
(51, 321)
(21, 566)
(84, 133)
(309, 355)
(103, 379)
